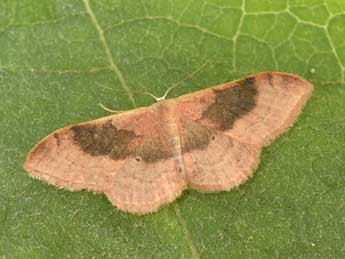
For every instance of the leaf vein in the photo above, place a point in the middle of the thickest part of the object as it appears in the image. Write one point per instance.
(113, 65)
(185, 231)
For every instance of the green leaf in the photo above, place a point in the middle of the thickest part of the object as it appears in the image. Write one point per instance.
(57, 56)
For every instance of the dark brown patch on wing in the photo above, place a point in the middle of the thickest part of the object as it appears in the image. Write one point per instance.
(232, 103)
(151, 149)
(105, 139)
(196, 136)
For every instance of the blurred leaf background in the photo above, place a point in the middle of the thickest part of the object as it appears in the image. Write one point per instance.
(57, 56)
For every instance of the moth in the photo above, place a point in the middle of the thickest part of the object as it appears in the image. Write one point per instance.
(209, 140)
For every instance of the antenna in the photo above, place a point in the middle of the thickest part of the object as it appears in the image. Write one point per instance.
(182, 80)
(157, 99)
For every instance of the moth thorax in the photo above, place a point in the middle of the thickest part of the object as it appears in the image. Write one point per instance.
(168, 111)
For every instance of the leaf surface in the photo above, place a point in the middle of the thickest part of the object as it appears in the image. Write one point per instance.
(57, 61)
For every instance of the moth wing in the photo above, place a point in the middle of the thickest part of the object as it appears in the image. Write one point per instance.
(214, 161)
(123, 155)
(141, 187)
(224, 127)
(253, 110)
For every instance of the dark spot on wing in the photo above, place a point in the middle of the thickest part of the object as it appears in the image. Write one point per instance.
(196, 136)
(232, 103)
(270, 79)
(105, 139)
(57, 137)
(287, 79)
